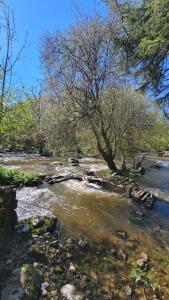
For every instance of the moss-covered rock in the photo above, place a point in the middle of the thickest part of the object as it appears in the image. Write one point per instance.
(30, 279)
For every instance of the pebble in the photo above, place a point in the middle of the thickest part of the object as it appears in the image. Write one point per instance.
(44, 292)
(122, 255)
(72, 267)
(129, 291)
(123, 234)
(144, 256)
(138, 280)
(9, 261)
(25, 228)
(44, 285)
(141, 263)
(68, 291)
(38, 222)
(35, 264)
(113, 252)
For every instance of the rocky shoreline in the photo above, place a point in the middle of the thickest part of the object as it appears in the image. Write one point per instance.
(42, 264)
(39, 260)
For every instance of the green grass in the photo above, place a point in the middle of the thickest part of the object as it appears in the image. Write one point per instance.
(137, 272)
(17, 178)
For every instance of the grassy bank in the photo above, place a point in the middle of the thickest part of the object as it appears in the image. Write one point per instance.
(17, 178)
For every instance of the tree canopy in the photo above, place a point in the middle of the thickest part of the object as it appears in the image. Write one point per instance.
(144, 34)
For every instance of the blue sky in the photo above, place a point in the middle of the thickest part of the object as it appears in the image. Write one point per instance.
(36, 17)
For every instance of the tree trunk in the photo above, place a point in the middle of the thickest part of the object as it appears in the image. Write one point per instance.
(139, 163)
(111, 164)
(41, 147)
(107, 152)
(124, 166)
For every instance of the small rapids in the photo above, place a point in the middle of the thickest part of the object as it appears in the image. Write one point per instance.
(86, 208)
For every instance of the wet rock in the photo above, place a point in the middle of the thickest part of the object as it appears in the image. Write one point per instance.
(155, 166)
(25, 228)
(74, 162)
(164, 153)
(38, 222)
(44, 287)
(122, 234)
(90, 173)
(47, 153)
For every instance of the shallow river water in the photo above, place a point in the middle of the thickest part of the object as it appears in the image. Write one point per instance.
(86, 208)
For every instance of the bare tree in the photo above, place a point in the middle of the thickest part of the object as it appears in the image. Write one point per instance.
(83, 71)
(8, 57)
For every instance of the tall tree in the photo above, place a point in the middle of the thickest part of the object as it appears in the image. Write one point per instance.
(144, 34)
(84, 72)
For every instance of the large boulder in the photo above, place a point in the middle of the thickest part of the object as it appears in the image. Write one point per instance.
(8, 197)
(8, 216)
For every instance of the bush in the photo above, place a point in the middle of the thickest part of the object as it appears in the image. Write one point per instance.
(14, 177)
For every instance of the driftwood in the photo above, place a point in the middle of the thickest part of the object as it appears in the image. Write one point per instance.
(143, 197)
(116, 183)
(91, 179)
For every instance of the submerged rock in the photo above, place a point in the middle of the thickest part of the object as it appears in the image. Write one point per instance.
(155, 166)
(74, 162)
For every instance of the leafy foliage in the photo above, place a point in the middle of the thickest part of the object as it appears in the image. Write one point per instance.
(14, 177)
(144, 35)
(19, 128)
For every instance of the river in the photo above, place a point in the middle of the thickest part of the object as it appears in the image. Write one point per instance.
(86, 208)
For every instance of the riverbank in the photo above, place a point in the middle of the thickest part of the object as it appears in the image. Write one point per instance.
(43, 263)
(102, 231)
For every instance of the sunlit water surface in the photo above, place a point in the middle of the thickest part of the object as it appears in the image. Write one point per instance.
(86, 208)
